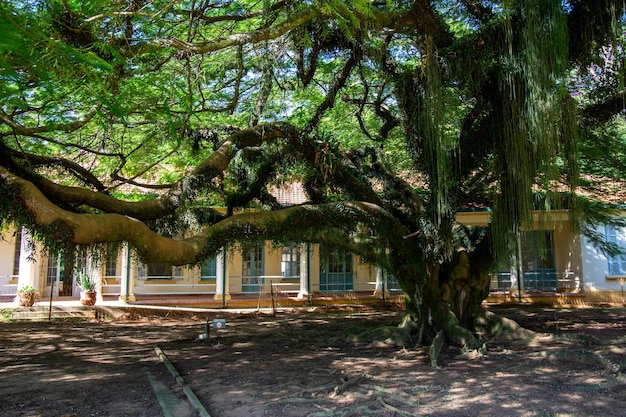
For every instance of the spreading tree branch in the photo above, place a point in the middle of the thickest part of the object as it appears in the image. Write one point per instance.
(295, 20)
(315, 223)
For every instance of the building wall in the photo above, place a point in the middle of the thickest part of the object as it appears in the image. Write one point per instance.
(315, 269)
(8, 283)
(183, 280)
(595, 265)
(574, 255)
(568, 260)
(234, 272)
(596, 269)
(7, 248)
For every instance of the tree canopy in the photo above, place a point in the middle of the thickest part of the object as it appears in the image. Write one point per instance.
(163, 123)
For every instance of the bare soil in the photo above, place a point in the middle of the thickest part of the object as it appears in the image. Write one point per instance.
(310, 363)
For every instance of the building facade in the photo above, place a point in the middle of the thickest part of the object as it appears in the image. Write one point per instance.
(553, 261)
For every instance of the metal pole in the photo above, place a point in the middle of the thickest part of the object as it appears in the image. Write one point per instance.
(308, 272)
(224, 278)
(520, 272)
(50, 306)
(384, 277)
(127, 272)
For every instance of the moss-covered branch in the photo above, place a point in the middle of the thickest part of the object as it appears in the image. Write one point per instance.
(315, 223)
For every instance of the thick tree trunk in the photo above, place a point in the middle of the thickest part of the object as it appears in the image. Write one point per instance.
(448, 305)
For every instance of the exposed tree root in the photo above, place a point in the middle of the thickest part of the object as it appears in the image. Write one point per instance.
(435, 349)
(582, 355)
(496, 325)
(361, 399)
(408, 334)
(386, 336)
(346, 384)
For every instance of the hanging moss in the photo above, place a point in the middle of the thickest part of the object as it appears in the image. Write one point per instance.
(422, 99)
(538, 125)
(55, 237)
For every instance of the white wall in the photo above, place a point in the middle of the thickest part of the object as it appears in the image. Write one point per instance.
(596, 267)
(7, 249)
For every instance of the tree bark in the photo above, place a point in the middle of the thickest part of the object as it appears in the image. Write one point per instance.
(448, 306)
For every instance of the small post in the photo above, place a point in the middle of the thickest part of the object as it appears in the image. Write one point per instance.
(50, 304)
(273, 299)
(520, 271)
(219, 324)
(384, 282)
(260, 282)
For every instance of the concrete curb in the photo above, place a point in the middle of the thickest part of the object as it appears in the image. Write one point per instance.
(191, 396)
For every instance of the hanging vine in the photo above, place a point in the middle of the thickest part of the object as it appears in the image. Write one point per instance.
(537, 122)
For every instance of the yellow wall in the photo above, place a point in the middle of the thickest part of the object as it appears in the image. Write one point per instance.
(567, 247)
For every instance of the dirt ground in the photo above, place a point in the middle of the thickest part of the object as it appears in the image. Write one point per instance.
(309, 363)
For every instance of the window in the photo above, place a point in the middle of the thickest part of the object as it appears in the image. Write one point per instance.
(111, 265)
(17, 253)
(290, 261)
(538, 264)
(617, 263)
(392, 283)
(80, 261)
(208, 270)
(252, 268)
(53, 269)
(159, 270)
(336, 270)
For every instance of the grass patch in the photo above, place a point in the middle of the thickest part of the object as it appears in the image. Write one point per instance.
(5, 314)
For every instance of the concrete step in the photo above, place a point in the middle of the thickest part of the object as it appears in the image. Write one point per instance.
(43, 313)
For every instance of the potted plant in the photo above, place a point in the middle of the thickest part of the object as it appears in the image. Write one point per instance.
(26, 295)
(87, 289)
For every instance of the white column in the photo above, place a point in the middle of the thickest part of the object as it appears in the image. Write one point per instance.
(221, 279)
(517, 272)
(127, 283)
(93, 269)
(378, 288)
(304, 271)
(26, 274)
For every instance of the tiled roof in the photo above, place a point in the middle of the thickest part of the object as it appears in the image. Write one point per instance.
(602, 189)
(289, 194)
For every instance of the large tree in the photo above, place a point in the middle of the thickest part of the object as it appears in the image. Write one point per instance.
(134, 121)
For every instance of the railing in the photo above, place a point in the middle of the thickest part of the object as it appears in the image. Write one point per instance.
(392, 284)
(288, 288)
(551, 281)
(245, 285)
(157, 289)
(263, 284)
(175, 277)
(175, 284)
(8, 289)
(290, 285)
(111, 288)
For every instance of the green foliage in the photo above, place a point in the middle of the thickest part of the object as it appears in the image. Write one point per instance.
(27, 289)
(5, 314)
(85, 281)
(537, 122)
(161, 112)
(602, 152)
(348, 14)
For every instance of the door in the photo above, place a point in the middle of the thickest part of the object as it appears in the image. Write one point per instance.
(252, 268)
(336, 270)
